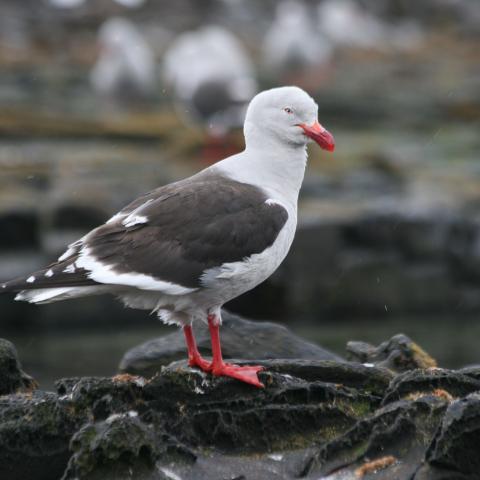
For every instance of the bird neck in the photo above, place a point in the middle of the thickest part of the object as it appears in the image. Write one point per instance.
(277, 169)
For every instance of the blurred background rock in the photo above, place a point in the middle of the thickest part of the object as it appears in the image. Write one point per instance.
(102, 100)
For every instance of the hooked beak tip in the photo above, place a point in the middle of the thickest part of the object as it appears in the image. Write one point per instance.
(320, 135)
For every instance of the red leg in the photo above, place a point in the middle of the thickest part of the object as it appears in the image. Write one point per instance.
(194, 357)
(246, 374)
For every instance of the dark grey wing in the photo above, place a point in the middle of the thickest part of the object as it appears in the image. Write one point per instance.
(65, 272)
(172, 234)
(186, 228)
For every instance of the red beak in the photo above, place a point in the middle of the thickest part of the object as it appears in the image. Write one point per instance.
(321, 135)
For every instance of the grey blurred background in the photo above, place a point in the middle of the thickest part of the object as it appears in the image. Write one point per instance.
(101, 100)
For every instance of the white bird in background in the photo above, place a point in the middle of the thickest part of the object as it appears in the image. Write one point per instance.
(185, 249)
(292, 42)
(346, 23)
(126, 64)
(211, 76)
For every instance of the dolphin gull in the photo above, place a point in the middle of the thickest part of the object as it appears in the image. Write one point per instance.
(185, 249)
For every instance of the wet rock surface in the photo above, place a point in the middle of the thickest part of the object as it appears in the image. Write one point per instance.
(456, 445)
(314, 419)
(401, 431)
(112, 448)
(35, 431)
(240, 338)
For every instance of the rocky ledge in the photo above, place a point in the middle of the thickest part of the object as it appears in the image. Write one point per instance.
(394, 416)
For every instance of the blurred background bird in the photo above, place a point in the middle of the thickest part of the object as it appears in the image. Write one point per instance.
(294, 51)
(212, 79)
(125, 69)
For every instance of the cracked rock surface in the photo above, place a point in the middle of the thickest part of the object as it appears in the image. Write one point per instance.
(328, 419)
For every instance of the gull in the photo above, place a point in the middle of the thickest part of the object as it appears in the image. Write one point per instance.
(185, 249)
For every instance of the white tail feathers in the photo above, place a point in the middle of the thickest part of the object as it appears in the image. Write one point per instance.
(48, 295)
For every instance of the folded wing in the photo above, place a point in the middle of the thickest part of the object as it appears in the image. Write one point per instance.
(166, 239)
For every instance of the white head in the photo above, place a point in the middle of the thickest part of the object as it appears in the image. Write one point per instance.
(287, 115)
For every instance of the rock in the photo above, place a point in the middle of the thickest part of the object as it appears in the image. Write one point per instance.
(112, 448)
(12, 377)
(126, 424)
(434, 381)
(455, 447)
(429, 472)
(103, 396)
(291, 410)
(241, 338)
(401, 431)
(35, 429)
(471, 371)
(355, 375)
(399, 354)
(314, 419)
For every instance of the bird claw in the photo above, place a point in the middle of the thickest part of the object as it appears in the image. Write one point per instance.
(201, 363)
(247, 374)
(217, 366)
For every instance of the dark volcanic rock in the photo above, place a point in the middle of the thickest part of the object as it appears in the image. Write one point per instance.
(456, 445)
(471, 371)
(355, 375)
(35, 429)
(241, 338)
(12, 377)
(399, 354)
(432, 381)
(103, 396)
(314, 419)
(181, 416)
(401, 431)
(113, 448)
(290, 411)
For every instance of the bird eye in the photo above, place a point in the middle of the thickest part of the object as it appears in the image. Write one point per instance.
(288, 110)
